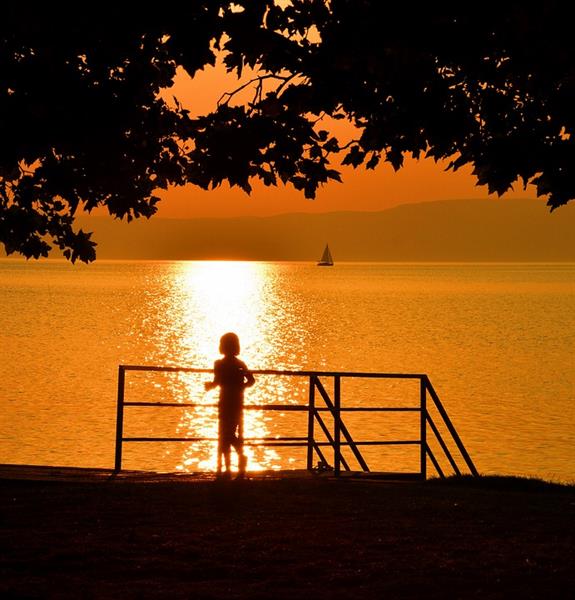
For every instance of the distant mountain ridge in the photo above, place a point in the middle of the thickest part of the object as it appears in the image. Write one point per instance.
(451, 230)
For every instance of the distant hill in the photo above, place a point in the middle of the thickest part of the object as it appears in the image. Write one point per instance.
(454, 230)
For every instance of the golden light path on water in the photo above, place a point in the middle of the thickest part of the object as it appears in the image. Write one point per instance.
(496, 341)
(216, 297)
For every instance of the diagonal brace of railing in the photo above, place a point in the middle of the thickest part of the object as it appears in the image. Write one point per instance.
(442, 444)
(344, 431)
(330, 439)
(451, 429)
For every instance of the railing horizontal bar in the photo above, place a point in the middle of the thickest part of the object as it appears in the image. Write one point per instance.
(207, 439)
(278, 444)
(278, 439)
(278, 407)
(165, 369)
(375, 443)
(272, 441)
(382, 443)
(279, 372)
(172, 404)
(169, 439)
(372, 409)
(269, 444)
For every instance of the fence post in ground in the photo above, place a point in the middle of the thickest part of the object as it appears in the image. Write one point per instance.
(120, 418)
(310, 423)
(337, 423)
(423, 428)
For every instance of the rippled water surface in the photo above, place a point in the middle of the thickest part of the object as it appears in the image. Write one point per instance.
(496, 341)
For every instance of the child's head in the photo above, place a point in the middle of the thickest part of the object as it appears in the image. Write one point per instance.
(229, 344)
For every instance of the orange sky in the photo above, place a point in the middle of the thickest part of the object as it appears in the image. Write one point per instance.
(417, 181)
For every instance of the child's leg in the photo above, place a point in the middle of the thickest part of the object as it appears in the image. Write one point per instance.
(227, 459)
(226, 440)
(220, 444)
(242, 458)
(238, 444)
(237, 441)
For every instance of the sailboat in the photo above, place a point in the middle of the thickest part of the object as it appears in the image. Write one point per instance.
(326, 260)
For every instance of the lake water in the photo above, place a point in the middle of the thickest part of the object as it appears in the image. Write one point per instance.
(496, 340)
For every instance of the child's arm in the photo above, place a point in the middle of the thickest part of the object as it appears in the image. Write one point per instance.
(210, 385)
(249, 378)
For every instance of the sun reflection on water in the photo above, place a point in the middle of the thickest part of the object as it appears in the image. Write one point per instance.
(217, 297)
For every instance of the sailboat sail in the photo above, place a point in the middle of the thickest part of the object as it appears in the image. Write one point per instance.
(326, 260)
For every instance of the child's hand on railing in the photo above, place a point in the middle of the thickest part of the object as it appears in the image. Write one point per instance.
(209, 385)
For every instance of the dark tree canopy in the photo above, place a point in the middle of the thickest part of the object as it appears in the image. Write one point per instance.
(83, 125)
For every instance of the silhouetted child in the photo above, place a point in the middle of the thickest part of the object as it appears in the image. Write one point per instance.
(232, 375)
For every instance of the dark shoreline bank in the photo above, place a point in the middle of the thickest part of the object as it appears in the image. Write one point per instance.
(287, 538)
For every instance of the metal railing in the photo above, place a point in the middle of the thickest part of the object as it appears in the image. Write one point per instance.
(337, 437)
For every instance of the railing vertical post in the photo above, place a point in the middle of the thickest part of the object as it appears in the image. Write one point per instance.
(337, 424)
(423, 427)
(310, 423)
(120, 418)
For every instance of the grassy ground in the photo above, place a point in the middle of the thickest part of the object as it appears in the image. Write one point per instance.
(293, 538)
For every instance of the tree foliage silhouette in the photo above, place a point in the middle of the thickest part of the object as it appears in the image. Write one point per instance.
(83, 123)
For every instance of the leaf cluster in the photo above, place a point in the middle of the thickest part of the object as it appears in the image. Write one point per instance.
(83, 123)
